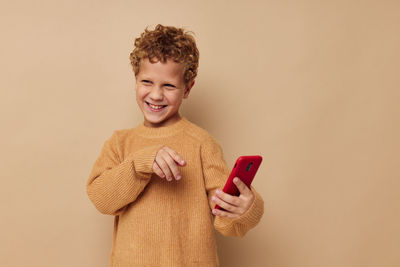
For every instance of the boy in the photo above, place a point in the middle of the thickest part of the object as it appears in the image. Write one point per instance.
(160, 179)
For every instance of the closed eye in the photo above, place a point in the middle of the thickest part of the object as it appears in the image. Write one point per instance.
(146, 82)
(170, 85)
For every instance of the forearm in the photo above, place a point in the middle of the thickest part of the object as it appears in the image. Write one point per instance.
(115, 188)
(111, 189)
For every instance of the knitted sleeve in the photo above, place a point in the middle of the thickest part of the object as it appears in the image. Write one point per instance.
(216, 173)
(114, 182)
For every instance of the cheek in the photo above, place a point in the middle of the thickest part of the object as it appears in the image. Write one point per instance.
(174, 97)
(140, 93)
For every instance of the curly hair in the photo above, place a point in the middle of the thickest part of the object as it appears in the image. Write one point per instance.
(167, 42)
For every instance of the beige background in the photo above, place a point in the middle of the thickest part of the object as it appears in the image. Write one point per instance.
(313, 86)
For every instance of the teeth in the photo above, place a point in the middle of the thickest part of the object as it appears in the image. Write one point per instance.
(155, 107)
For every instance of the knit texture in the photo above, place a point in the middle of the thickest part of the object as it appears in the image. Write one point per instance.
(160, 223)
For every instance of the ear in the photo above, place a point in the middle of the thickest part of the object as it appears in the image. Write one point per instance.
(188, 88)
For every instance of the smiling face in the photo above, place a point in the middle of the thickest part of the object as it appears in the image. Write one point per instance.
(159, 91)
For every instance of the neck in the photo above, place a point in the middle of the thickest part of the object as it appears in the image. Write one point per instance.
(164, 130)
(168, 122)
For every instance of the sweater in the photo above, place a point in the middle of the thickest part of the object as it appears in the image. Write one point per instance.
(160, 223)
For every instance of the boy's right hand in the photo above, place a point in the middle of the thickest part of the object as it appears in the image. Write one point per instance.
(166, 163)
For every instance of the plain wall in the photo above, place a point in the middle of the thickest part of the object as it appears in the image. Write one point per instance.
(312, 86)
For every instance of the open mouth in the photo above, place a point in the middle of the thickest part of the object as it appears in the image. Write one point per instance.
(155, 107)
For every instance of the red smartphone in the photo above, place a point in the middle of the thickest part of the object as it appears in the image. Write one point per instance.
(245, 168)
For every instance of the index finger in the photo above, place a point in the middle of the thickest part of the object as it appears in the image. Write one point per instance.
(178, 159)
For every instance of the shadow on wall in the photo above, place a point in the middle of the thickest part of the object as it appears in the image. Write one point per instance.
(246, 251)
(202, 101)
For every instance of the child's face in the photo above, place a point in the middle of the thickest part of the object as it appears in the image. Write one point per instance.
(160, 89)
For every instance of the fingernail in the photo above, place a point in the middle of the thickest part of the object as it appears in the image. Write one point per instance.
(236, 180)
(178, 177)
(182, 162)
(213, 198)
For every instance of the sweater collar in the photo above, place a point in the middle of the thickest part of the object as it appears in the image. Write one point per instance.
(163, 131)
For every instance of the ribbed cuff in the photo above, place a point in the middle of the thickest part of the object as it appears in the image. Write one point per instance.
(241, 225)
(143, 161)
(253, 215)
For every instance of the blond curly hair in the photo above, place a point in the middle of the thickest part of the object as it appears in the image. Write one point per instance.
(167, 42)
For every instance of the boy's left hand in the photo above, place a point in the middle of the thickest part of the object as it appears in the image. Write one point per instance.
(234, 206)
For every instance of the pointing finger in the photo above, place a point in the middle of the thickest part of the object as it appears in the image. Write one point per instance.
(176, 156)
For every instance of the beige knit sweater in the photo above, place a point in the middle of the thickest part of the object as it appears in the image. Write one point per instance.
(161, 223)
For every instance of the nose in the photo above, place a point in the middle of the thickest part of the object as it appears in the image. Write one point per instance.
(156, 93)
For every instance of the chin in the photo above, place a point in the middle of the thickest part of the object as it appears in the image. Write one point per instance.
(156, 120)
